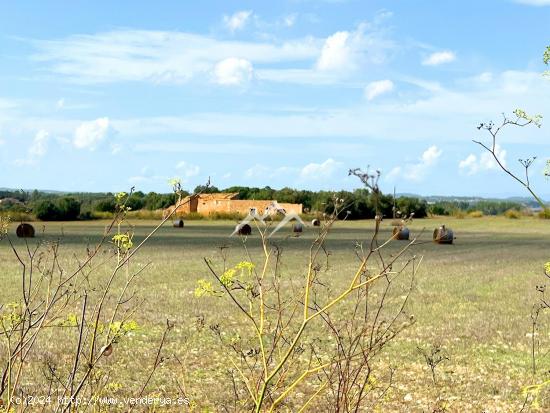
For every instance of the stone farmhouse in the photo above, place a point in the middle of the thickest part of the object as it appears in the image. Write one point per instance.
(206, 204)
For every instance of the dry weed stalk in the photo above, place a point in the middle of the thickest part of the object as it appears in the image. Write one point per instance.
(49, 294)
(282, 355)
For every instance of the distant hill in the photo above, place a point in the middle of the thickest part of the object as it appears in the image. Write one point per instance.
(528, 201)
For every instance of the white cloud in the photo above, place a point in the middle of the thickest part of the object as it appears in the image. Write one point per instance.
(436, 114)
(430, 156)
(439, 58)
(472, 164)
(2, 141)
(378, 88)
(237, 20)
(159, 56)
(188, 170)
(417, 171)
(60, 104)
(179, 57)
(39, 144)
(538, 3)
(336, 53)
(345, 51)
(90, 134)
(233, 71)
(315, 171)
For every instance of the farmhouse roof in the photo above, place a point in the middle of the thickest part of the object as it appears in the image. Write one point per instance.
(218, 196)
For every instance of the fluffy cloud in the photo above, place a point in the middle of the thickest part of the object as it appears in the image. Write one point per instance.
(417, 171)
(439, 58)
(315, 171)
(237, 20)
(90, 134)
(346, 51)
(473, 164)
(233, 71)
(336, 53)
(188, 170)
(378, 88)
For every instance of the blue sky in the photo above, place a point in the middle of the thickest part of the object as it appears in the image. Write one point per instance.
(102, 96)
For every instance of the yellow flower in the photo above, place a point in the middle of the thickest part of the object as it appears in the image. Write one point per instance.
(204, 288)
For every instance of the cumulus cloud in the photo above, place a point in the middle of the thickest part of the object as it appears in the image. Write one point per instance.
(417, 171)
(319, 170)
(336, 53)
(439, 58)
(473, 164)
(237, 20)
(233, 72)
(378, 88)
(348, 50)
(188, 170)
(90, 134)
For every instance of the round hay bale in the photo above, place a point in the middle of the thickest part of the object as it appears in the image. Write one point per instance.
(297, 227)
(401, 233)
(316, 223)
(443, 235)
(244, 229)
(178, 223)
(25, 230)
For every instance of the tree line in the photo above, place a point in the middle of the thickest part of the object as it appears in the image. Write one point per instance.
(360, 203)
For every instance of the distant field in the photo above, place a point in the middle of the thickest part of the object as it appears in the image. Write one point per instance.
(473, 298)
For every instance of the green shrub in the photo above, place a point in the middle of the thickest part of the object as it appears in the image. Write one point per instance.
(105, 205)
(512, 214)
(544, 214)
(408, 205)
(46, 211)
(68, 209)
(65, 209)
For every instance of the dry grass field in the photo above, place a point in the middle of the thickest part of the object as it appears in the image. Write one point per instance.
(472, 299)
